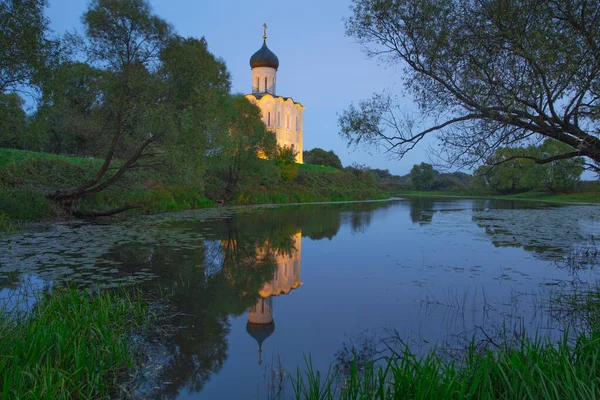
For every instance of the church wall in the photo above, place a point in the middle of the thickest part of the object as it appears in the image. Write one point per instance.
(258, 80)
(280, 116)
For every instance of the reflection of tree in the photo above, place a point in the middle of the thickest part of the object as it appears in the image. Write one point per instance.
(211, 279)
(421, 209)
(206, 284)
(550, 232)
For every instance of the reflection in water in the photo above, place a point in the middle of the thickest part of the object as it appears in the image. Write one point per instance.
(224, 272)
(286, 277)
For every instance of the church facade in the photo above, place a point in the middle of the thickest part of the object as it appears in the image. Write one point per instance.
(282, 115)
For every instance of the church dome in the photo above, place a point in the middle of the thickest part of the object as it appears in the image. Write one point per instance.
(264, 58)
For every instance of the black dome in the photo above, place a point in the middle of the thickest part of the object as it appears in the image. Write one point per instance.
(264, 58)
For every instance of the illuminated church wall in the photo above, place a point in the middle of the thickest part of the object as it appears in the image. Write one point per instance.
(282, 115)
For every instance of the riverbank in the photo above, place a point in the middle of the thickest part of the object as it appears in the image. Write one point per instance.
(583, 197)
(26, 177)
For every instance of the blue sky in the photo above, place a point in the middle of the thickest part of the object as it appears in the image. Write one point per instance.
(319, 66)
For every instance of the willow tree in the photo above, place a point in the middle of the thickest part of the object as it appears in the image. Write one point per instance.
(124, 39)
(484, 74)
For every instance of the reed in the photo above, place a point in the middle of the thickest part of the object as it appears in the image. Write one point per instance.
(533, 370)
(71, 345)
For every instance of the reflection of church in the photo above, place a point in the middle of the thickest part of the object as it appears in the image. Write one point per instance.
(286, 277)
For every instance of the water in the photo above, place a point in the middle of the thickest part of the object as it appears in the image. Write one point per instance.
(259, 289)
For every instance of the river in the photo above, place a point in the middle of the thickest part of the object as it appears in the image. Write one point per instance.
(259, 290)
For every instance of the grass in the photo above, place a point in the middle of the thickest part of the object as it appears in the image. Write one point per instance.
(71, 346)
(584, 197)
(309, 186)
(534, 370)
(26, 178)
(9, 156)
(317, 168)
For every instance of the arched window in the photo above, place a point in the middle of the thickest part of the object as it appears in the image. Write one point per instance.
(269, 118)
(265, 84)
(257, 84)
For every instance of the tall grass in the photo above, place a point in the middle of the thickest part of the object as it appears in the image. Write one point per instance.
(70, 346)
(533, 370)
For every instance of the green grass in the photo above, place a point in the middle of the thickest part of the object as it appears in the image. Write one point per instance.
(317, 168)
(27, 177)
(535, 195)
(71, 346)
(534, 370)
(8, 156)
(309, 186)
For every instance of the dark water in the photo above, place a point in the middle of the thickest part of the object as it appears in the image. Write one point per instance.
(259, 289)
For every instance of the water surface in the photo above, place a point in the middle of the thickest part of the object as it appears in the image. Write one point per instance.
(258, 289)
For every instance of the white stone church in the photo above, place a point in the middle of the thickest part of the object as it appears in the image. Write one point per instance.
(280, 114)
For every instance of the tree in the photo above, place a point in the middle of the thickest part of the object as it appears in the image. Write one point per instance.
(71, 109)
(506, 174)
(319, 156)
(13, 120)
(24, 47)
(510, 174)
(199, 86)
(485, 74)
(559, 176)
(125, 39)
(422, 176)
(240, 147)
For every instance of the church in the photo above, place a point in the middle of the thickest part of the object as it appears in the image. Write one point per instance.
(280, 114)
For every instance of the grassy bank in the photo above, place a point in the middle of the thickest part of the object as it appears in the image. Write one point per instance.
(71, 346)
(534, 370)
(25, 178)
(578, 197)
(313, 184)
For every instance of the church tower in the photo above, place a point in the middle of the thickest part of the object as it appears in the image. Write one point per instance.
(282, 115)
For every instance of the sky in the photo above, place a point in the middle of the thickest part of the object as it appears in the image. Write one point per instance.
(318, 65)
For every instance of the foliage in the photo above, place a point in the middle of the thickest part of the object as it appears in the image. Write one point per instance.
(319, 156)
(285, 155)
(13, 121)
(239, 149)
(71, 346)
(289, 172)
(508, 172)
(559, 176)
(26, 49)
(422, 176)
(199, 86)
(361, 172)
(495, 73)
(25, 204)
(70, 116)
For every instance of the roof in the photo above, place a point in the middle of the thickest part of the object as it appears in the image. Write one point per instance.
(264, 58)
(259, 96)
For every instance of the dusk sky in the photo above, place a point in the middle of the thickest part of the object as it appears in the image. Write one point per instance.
(319, 66)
